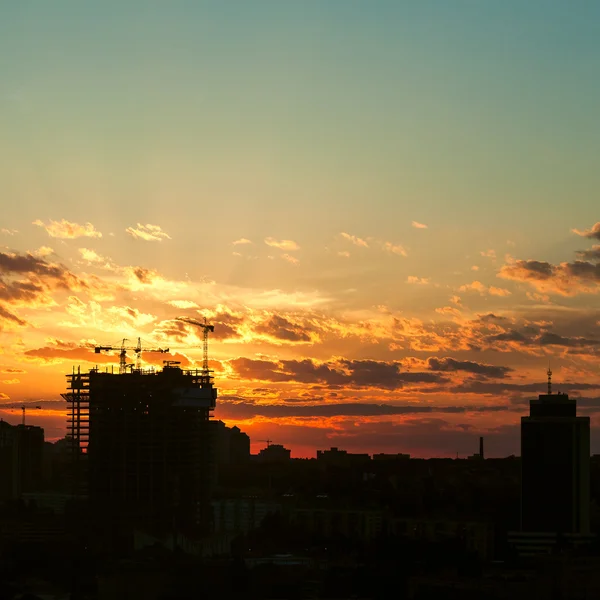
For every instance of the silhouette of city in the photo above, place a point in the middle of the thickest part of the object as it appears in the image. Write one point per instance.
(299, 300)
(149, 496)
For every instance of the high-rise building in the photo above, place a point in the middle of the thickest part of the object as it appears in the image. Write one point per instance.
(555, 455)
(141, 440)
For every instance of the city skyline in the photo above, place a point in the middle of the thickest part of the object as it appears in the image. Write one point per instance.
(388, 215)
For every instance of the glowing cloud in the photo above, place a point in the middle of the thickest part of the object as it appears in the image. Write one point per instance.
(67, 230)
(417, 280)
(394, 249)
(242, 241)
(477, 286)
(288, 245)
(148, 233)
(593, 232)
(418, 225)
(183, 304)
(43, 251)
(354, 240)
(290, 259)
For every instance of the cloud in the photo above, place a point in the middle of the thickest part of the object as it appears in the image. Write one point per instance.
(8, 231)
(495, 388)
(43, 251)
(417, 280)
(57, 351)
(566, 279)
(488, 253)
(288, 245)
(354, 240)
(344, 254)
(10, 317)
(418, 225)
(291, 259)
(592, 255)
(91, 255)
(352, 373)
(281, 328)
(477, 286)
(448, 364)
(148, 233)
(246, 410)
(394, 249)
(241, 241)
(182, 304)
(593, 232)
(67, 230)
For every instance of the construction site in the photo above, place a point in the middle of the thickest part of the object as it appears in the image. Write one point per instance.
(140, 444)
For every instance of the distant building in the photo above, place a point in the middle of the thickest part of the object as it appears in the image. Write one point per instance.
(274, 453)
(555, 474)
(390, 457)
(230, 445)
(555, 466)
(21, 460)
(241, 515)
(336, 457)
(480, 455)
(358, 524)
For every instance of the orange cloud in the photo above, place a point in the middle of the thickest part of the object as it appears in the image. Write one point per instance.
(148, 233)
(592, 232)
(418, 225)
(290, 259)
(565, 279)
(417, 280)
(477, 286)
(67, 230)
(354, 240)
(241, 241)
(288, 245)
(394, 249)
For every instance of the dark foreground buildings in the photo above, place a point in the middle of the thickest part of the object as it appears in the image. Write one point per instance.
(21, 459)
(141, 441)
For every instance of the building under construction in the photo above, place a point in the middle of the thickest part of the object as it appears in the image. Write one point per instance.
(141, 447)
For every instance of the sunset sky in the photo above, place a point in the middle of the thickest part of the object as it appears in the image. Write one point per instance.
(389, 210)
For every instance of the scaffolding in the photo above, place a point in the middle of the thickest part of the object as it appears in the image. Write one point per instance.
(78, 427)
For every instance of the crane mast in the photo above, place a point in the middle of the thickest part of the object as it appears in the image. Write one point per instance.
(138, 349)
(206, 329)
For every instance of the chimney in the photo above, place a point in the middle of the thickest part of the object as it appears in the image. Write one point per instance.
(481, 456)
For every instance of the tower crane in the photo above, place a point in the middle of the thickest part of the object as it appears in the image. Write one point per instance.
(207, 328)
(123, 353)
(24, 408)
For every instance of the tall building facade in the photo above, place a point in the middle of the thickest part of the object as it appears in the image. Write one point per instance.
(555, 471)
(143, 438)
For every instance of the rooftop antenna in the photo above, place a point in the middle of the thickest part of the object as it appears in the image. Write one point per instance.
(549, 373)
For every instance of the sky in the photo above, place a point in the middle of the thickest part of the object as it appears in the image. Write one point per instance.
(387, 209)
